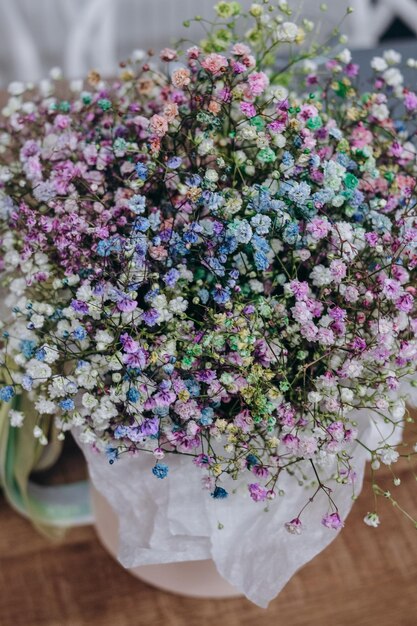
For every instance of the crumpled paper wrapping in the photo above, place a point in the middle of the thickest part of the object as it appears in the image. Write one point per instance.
(174, 519)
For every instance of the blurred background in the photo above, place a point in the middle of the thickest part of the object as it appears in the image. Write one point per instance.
(77, 35)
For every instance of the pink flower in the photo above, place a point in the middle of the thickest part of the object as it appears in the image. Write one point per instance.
(294, 527)
(214, 63)
(167, 54)
(248, 109)
(181, 77)
(410, 101)
(240, 49)
(333, 521)
(193, 52)
(361, 136)
(159, 125)
(258, 82)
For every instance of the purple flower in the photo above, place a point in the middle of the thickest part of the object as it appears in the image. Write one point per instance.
(150, 317)
(333, 521)
(257, 493)
(126, 305)
(129, 345)
(79, 306)
(149, 426)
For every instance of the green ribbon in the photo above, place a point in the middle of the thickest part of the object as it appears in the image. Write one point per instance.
(50, 508)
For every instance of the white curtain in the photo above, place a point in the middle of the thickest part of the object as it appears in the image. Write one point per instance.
(78, 35)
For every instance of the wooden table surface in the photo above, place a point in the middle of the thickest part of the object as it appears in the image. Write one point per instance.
(366, 577)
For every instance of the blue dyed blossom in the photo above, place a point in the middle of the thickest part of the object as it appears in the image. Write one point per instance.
(137, 204)
(174, 162)
(290, 233)
(79, 333)
(27, 347)
(141, 224)
(299, 192)
(261, 261)
(219, 493)
(141, 171)
(40, 354)
(171, 277)
(204, 295)
(160, 470)
(220, 295)
(106, 247)
(112, 455)
(67, 404)
(6, 393)
(241, 230)
(133, 394)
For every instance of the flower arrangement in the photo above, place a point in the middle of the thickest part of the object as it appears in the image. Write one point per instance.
(215, 255)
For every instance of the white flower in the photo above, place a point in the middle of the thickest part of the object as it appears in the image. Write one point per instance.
(44, 406)
(205, 147)
(388, 456)
(55, 73)
(287, 32)
(380, 112)
(392, 57)
(51, 354)
(372, 519)
(39, 371)
(16, 88)
(211, 175)
(88, 437)
(178, 305)
(38, 434)
(89, 401)
(16, 418)
(103, 339)
(393, 77)
(345, 56)
(321, 276)
(379, 64)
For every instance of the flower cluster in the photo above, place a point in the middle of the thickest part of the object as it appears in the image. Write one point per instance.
(200, 260)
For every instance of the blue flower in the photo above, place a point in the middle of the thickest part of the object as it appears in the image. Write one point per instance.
(174, 162)
(67, 404)
(133, 394)
(79, 333)
(193, 387)
(40, 354)
(220, 295)
(27, 346)
(160, 470)
(261, 261)
(299, 192)
(219, 493)
(142, 224)
(171, 277)
(6, 393)
(106, 246)
(112, 455)
(204, 295)
(291, 232)
(141, 171)
(207, 415)
(137, 204)
(27, 382)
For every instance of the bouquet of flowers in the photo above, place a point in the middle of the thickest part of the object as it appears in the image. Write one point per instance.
(215, 256)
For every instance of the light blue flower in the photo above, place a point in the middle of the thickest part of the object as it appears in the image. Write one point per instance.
(160, 470)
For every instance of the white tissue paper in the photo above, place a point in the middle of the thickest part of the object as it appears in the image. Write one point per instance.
(175, 519)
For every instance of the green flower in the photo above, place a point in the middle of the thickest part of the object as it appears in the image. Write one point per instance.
(266, 155)
(351, 182)
(227, 9)
(314, 123)
(104, 104)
